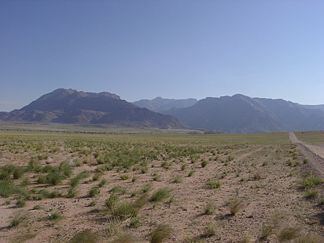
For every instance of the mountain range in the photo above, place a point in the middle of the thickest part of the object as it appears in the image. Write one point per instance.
(243, 114)
(229, 114)
(76, 107)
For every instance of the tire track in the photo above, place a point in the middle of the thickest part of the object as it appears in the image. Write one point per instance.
(315, 159)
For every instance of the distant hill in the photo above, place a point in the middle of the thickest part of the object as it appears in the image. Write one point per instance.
(162, 105)
(77, 107)
(3, 115)
(242, 114)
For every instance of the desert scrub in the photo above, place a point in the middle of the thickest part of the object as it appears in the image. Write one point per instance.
(118, 190)
(55, 175)
(311, 194)
(183, 167)
(287, 234)
(209, 208)
(309, 238)
(11, 171)
(55, 216)
(190, 174)
(8, 188)
(18, 218)
(235, 205)
(156, 177)
(160, 233)
(321, 200)
(311, 181)
(204, 164)
(134, 222)
(265, 232)
(21, 202)
(146, 188)
(124, 238)
(124, 210)
(85, 236)
(177, 179)
(47, 194)
(102, 183)
(75, 181)
(213, 184)
(160, 195)
(94, 191)
(72, 192)
(111, 201)
(209, 231)
(124, 177)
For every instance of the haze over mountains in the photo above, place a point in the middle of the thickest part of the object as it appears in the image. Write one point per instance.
(231, 114)
(160, 104)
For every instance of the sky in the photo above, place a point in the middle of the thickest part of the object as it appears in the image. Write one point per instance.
(170, 48)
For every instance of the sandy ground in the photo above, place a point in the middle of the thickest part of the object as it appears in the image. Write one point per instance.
(258, 175)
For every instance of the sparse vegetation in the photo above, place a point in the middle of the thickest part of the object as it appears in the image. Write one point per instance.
(213, 184)
(235, 205)
(160, 195)
(288, 233)
(210, 230)
(160, 233)
(85, 236)
(311, 182)
(55, 216)
(209, 209)
(109, 169)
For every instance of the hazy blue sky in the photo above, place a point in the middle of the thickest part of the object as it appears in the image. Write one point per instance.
(170, 48)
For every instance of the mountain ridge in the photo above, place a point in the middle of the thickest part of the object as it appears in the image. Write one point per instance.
(77, 107)
(240, 113)
(227, 114)
(160, 104)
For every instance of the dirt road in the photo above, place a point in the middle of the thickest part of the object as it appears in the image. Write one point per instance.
(313, 153)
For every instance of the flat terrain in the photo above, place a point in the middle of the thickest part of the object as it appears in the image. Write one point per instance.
(316, 138)
(156, 187)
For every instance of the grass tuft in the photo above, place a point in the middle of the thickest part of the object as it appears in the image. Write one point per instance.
(85, 236)
(160, 195)
(161, 233)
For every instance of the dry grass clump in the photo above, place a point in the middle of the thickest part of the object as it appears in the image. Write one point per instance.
(311, 182)
(191, 173)
(209, 231)
(177, 179)
(111, 201)
(209, 208)
(94, 191)
(309, 238)
(124, 238)
(235, 205)
(85, 236)
(204, 164)
(160, 195)
(311, 194)
(265, 232)
(55, 216)
(213, 184)
(124, 209)
(287, 234)
(161, 233)
(75, 181)
(18, 218)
